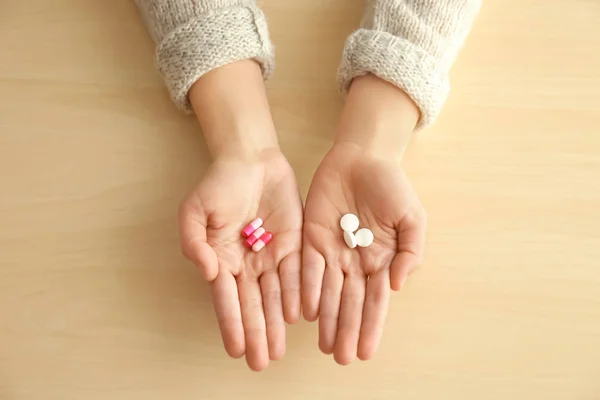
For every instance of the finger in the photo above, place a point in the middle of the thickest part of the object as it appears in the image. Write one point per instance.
(271, 296)
(227, 307)
(289, 274)
(411, 242)
(404, 264)
(192, 229)
(253, 317)
(330, 308)
(375, 310)
(353, 298)
(313, 267)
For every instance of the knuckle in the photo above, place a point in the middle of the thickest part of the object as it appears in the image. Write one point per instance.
(183, 208)
(291, 279)
(253, 303)
(272, 296)
(379, 297)
(423, 215)
(183, 212)
(418, 216)
(418, 260)
(184, 249)
(352, 301)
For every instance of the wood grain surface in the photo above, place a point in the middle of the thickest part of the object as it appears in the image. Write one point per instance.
(96, 301)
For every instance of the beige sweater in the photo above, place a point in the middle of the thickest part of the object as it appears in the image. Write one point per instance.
(410, 43)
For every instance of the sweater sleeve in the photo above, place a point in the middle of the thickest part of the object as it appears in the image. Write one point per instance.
(412, 44)
(194, 37)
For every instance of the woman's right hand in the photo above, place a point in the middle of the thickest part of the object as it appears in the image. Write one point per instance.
(253, 292)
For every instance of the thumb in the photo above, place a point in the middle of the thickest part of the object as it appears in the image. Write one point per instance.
(403, 265)
(411, 241)
(192, 230)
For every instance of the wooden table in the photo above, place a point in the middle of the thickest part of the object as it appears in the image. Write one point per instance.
(96, 301)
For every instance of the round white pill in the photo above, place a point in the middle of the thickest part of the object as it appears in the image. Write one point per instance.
(364, 237)
(349, 223)
(350, 239)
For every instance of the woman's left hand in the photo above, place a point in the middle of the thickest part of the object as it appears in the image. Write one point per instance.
(349, 289)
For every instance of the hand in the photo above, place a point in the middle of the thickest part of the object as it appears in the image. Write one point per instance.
(246, 286)
(349, 289)
(253, 292)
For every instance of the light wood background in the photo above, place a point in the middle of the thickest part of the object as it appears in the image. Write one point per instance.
(97, 303)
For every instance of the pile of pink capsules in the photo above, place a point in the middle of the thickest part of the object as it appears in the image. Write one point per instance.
(257, 237)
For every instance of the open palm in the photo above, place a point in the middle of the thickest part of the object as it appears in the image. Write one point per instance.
(253, 292)
(349, 289)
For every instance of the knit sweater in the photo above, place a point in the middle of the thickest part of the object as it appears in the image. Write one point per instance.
(410, 43)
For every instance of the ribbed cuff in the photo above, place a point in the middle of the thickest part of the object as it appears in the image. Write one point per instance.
(399, 62)
(210, 41)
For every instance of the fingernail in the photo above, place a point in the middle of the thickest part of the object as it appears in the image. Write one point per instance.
(203, 272)
(403, 281)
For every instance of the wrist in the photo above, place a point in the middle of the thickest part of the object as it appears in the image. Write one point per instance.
(231, 106)
(378, 117)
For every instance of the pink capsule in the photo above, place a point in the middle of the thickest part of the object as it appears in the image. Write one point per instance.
(262, 241)
(251, 227)
(254, 237)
